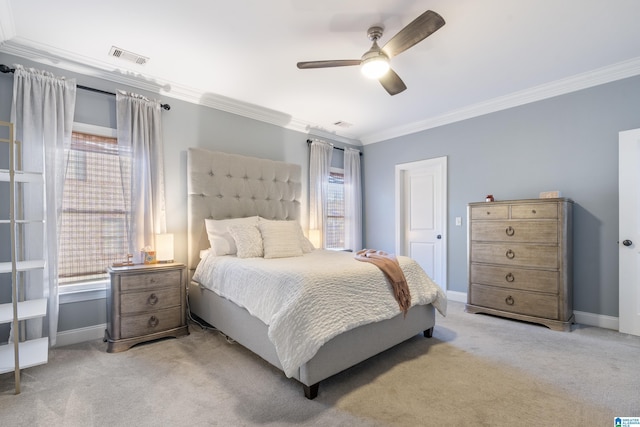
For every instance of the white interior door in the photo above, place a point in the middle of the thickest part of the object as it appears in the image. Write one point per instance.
(629, 231)
(421, 220)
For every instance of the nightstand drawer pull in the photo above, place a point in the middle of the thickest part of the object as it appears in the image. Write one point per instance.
(509, 300)
(510, 254)
(510, 231)
(153, 299)
(153, 321)
(509, 277)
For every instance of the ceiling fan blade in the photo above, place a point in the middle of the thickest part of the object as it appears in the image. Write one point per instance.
(419, 29)
(392, 83)
(328, 64)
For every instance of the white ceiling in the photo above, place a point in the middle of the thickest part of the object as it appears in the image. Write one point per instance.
(240, 56)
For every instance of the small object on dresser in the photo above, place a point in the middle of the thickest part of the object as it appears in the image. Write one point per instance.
(148, 255)
(550, 194)
(129, 261)
(489, 198)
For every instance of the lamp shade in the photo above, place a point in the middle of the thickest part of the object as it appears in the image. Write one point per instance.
(164, 247)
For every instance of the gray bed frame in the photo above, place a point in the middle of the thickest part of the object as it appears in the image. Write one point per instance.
(221, 186)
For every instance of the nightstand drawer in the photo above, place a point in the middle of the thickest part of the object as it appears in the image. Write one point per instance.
(135, 302)
(145, 324)
(527, 303)
(147, 280)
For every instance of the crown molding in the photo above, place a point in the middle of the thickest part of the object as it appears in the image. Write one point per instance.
(82, 65)
(581, 81)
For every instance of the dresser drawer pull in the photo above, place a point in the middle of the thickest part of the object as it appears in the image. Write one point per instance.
(153, 299)
(510, 231)
(510, 277)
(533, 211)
(509, 300)
(153, 322)
(510, 254)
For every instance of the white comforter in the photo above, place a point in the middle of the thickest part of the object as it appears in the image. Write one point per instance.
(308, 300)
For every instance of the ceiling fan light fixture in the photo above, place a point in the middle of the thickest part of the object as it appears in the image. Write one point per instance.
(375, 64)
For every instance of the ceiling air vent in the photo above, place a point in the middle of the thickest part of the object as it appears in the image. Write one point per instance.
(116, 52)
(343, 124)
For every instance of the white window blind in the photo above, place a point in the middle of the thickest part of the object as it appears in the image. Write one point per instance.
(94, 209)
(335, 211)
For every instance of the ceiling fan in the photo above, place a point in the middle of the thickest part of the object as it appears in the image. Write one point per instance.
(375, 62)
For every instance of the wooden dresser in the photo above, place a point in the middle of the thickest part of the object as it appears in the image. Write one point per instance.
(145, 302)
(520, 254)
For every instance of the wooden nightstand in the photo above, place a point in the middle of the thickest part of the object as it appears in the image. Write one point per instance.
(145, 302)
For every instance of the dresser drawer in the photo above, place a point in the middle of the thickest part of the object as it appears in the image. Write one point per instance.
(515, 278)
(133, 282)
(515, 254)
(158, 299)
(515, 301)
(490, 211)
(515, 231)
(535, 210)
(145, 324)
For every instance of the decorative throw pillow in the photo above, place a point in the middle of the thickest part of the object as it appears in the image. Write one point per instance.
(305, 244)
(248, 240)
(218, 233)
(280, 239)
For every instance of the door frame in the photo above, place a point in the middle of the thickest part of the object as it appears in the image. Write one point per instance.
(441, 210)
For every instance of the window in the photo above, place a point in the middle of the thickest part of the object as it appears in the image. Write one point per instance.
(335, 210)
(93, 231)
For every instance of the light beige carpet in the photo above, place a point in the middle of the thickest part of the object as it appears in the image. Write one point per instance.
(477, 370)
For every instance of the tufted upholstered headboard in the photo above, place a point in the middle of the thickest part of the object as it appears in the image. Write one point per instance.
(222, 185)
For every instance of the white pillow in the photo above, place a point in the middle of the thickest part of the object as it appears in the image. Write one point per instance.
(218, 233)
(248, 240)
(280, 239)
(305, 244)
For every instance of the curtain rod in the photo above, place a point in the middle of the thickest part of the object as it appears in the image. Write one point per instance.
(309, 141)
(5, 69)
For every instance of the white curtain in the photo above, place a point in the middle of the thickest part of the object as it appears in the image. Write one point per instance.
(42, 112)
(319, 169)
(139, 126)
(352, 200)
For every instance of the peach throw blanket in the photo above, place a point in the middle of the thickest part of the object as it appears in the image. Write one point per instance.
(391, 269)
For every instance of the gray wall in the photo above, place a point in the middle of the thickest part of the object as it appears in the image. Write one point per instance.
(567, 143)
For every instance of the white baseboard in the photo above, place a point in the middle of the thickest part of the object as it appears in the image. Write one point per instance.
(599, 320)
(75, 336)
(457, 296)
(584, 318)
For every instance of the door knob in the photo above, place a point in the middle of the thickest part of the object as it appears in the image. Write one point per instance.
(627, 242)
(439, 236)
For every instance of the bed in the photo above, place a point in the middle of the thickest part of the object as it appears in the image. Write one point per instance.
(224, 186)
